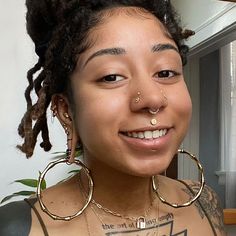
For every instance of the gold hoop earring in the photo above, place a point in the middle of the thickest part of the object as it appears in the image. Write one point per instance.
(39, 191)
(202, 180)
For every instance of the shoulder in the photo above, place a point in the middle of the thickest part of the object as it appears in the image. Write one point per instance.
(208, 205)
(15, 219)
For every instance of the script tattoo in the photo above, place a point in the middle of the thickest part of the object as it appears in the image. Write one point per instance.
(208, 201)
(164, 223)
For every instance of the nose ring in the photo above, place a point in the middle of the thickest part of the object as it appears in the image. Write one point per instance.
(153, 112)
(137, 99)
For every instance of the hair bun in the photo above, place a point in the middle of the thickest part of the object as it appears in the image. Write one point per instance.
(43, 17)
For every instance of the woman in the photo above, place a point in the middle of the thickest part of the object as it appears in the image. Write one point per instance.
(112, 71)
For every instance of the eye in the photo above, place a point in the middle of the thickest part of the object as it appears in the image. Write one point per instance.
(167, 74)
(112, 78)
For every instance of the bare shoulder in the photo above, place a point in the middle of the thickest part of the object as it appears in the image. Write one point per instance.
(208, 205)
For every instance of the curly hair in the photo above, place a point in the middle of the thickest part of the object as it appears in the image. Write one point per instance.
(59, 30)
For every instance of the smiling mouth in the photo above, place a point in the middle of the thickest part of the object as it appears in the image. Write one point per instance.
(146, 134)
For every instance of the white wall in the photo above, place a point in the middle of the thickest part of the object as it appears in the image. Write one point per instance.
(205, 17)
(16, 57)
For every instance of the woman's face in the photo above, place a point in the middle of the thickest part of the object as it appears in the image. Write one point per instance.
(132, 56)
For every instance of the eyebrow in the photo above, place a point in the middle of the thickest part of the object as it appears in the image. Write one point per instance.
(162, 47)
(121, 51)
(107, 51)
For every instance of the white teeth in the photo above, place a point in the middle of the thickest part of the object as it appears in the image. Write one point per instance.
(156, 134)
(140, 135)
(161, 132)
(148, 134)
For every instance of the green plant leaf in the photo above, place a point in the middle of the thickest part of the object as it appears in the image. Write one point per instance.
(58, 153)
(21, 193)
(31, 183)
(57, 157)
(28, 182)
(44, 185)
(78, 153)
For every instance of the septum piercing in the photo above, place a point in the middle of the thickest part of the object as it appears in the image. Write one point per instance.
(153, 112)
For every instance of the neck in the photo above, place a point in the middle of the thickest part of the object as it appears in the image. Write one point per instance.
(120, 192)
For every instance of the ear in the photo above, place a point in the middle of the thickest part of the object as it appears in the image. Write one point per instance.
(61, 109)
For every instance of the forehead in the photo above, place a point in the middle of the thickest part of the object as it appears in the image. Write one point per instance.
(120, 22)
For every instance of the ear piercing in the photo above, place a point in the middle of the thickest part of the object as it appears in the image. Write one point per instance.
(66, 129)
(66, 115)
(54, 110)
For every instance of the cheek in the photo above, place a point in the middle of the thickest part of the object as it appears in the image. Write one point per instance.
(97, 112)
(182, 104)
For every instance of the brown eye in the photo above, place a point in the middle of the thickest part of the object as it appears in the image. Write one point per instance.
(167, 74)
(112, 78)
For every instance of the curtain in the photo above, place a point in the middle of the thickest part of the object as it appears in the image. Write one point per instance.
(228, 121)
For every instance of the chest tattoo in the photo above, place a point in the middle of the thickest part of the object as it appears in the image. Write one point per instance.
(164, 226)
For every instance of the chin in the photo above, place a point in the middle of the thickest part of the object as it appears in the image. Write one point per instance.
(148, 169)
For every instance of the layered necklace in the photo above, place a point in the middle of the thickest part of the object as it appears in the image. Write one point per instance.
(140, 221)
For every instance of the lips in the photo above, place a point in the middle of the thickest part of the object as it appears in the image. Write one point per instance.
(148, 134)
(149, 138)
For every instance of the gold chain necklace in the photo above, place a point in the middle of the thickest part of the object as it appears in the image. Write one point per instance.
(140, 221)
(156, 225)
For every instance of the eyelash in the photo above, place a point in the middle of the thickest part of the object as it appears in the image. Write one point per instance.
(165, 74)
(162, 75)
(111, 76)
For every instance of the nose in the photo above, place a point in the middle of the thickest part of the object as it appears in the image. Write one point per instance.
(147, 95)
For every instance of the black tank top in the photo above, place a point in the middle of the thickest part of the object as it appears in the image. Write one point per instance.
(15, 218)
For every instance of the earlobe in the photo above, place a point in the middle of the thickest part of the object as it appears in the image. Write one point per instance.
(60, 109)
(72, 144)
